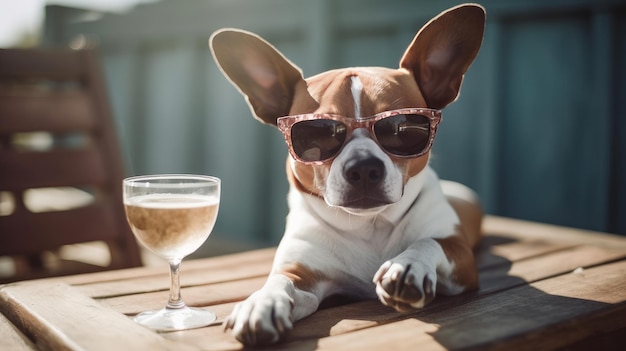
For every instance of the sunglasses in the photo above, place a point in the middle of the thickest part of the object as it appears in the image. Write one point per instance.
(317, 138)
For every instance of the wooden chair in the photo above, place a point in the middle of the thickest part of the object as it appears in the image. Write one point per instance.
(60, 167)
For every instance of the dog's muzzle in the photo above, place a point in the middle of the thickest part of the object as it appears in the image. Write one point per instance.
(365, 174)
(364, 180)
(363, 177)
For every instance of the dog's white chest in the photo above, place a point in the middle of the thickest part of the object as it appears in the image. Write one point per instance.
(339, 243)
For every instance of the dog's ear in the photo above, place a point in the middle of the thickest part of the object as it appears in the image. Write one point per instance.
(443, 50)
(258, 70)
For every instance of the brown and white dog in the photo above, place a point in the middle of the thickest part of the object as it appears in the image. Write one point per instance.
(368, 217)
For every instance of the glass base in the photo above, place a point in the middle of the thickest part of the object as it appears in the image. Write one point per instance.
(169, 319)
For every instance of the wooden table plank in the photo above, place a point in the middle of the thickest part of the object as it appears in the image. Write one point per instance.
(57, 317)
(541, 286)
(526, 230)
(248, 258)
(257, 264)
(205, 295)
(368, 314)
(202, 272)
(495, 250)
(536, 263)
(502, 321)
(12, 338)
(545, 266)
(491, 280)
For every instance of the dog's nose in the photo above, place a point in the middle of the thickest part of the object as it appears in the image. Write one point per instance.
(367, 171)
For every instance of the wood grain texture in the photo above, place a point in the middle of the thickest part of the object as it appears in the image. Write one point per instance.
(208, 266)
(30, 111)
(536, 292)
(60, 167)
(527, 230)
(57, 317)
(193, 273)
(501, 321)
(11, 338)
(55, 64)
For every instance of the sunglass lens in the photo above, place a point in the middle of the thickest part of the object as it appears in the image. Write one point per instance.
(317, 140)
(403, 135)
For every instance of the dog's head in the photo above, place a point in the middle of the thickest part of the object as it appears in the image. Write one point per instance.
(356, 135)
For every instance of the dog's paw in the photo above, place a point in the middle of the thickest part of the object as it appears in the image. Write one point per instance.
(262, 318)
(405, 284)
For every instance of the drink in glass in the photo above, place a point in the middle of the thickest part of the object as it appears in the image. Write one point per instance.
(172, 215)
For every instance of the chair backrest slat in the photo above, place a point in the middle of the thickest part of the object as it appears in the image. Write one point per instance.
(26, 170)
(55, 112)
(49, 64)
(49, 230)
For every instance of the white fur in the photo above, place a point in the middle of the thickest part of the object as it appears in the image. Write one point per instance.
(336, 184)
(355, 252)
(341, 239)
(356, 87)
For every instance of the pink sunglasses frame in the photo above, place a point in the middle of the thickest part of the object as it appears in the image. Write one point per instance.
(285, 123)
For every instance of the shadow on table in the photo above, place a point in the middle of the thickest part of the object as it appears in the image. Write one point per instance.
(505, 310)
(507, 313)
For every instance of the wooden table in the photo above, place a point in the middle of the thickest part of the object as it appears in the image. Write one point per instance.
(542, 287)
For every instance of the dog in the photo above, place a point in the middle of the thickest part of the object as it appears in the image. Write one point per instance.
(368, 217)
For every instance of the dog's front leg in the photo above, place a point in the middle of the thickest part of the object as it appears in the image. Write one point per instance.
(270, 312)
(411, 279)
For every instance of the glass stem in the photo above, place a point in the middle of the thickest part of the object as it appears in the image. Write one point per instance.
(175, 301)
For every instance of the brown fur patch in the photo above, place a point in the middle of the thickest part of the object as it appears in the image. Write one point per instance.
(411, 166)
(331, 91)
(304, 181)
(470, 213)
(397, 90)
(458, 251)
(302, 277)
